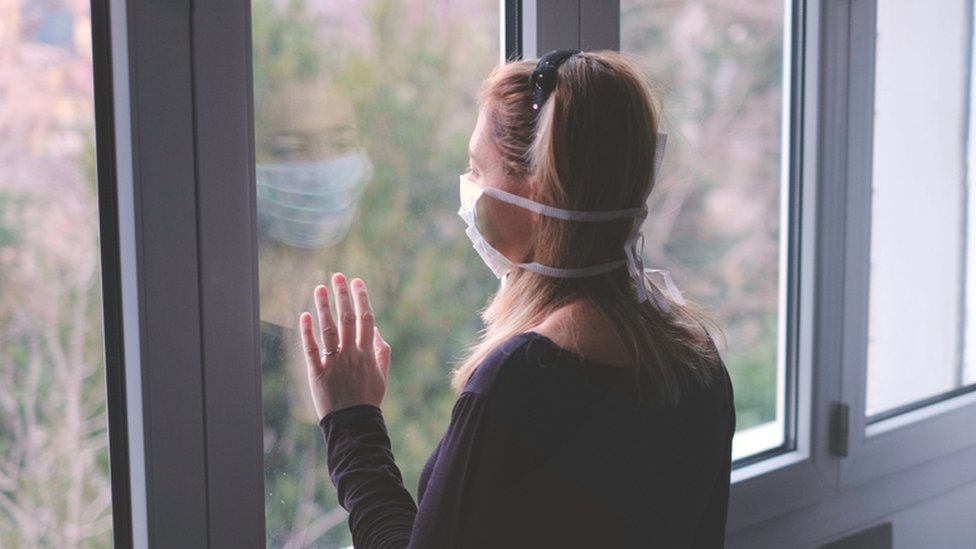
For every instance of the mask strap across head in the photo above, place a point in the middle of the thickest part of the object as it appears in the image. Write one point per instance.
(542, 82)
(559, 213)
(566, 215)
(634, 246)
(635, 250)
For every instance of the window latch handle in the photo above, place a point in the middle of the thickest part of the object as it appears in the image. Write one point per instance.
(840, 429)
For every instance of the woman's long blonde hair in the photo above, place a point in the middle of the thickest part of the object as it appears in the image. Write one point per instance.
(590, 147)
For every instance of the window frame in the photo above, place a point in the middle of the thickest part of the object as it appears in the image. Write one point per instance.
(111, 272)
(833, 122)
(929, 432)
(929, 448)
(177, 199)
(789, 479)
(805, 475)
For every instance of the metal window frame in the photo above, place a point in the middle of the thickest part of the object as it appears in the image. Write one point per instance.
(929, 430)
(176, 194)
(569, 24)
(892, 464)
(111, 278)
(176, 182)
(806, 475)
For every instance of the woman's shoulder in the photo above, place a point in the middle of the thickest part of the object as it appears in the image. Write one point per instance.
(508, 359)
(538, 389)
(529, 368)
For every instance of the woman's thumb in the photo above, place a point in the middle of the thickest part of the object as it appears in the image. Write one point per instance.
(381, 349)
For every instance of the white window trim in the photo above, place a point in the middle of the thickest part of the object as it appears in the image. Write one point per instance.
(932, 448)
(935, 431)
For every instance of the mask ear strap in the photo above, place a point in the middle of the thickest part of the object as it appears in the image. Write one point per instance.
(635, 249)
(559, 213)
(669, 284)
(635, 259)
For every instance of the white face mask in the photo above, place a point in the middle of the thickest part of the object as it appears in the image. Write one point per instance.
(501, 265)
(311, 204)
(498, 263)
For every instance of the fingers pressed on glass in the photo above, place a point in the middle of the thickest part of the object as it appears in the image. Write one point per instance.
(330, 335)
(364, 314)
(344, 310)
(309, 344)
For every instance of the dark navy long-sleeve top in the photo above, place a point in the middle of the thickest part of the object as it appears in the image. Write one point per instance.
(544, 449)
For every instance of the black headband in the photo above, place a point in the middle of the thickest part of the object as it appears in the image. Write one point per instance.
(543, 79)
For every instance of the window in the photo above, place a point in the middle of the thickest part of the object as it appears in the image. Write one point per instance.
(921, 335)
(788, 110)
(718, 215)
(363, 116)
(54, 474)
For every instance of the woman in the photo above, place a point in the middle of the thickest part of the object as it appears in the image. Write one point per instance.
(595, 411)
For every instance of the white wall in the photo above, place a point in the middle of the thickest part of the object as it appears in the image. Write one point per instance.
(941, 515)
(946, 521)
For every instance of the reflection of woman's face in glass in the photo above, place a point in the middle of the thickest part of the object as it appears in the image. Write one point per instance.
(310, 170)
(505, 226)
(307, 121)
(310, 173)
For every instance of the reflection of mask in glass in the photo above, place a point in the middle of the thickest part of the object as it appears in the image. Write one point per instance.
(311, 204)
(500, 265)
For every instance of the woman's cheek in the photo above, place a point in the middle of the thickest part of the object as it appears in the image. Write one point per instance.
(490, 219)
(505, 227)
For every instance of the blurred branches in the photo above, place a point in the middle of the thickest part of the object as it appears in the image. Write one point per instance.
(715, 214)
(54, 478)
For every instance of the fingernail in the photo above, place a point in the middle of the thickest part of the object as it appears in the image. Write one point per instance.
(320, 291)
(358, 283)
(339, 278)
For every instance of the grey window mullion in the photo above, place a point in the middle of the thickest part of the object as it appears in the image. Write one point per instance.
(228, 280)
(160, 300)
(181, 104)
(569, 24)
(599, 24)
(549, 25)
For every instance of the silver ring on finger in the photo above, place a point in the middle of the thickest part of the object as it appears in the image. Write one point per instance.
(331, 353)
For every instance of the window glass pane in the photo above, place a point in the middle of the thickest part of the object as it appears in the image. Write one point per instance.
(716, 214)
(922, 205)
(54, 474)
(363, 113)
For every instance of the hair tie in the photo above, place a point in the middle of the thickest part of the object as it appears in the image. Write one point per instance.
(543, 79)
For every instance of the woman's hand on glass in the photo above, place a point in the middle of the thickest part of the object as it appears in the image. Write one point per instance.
(350, 366)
